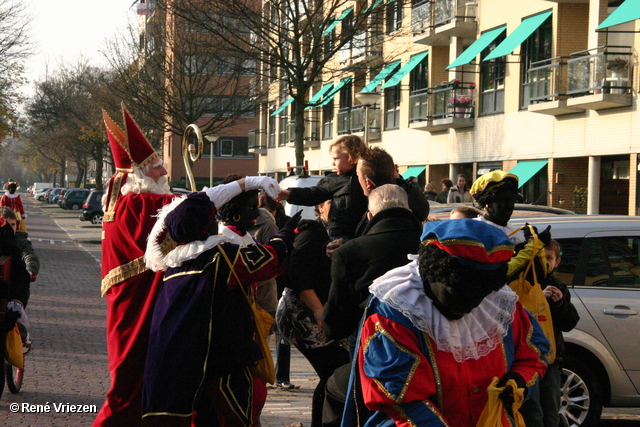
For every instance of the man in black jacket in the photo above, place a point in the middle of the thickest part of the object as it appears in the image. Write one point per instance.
(392, 233)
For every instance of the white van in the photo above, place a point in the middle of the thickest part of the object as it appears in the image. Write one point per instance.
(298, 181)
(39, 186)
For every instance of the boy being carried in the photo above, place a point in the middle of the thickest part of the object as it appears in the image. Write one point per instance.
(348, 202)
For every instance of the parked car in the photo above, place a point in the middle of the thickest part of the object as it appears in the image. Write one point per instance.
(92, 207)
(442, 210)
(52, 195)
(40, 195)
(60, 197)
(74, 198)
(601, 266)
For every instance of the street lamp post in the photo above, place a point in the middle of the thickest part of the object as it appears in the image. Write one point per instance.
(211, 139)
(368, 99)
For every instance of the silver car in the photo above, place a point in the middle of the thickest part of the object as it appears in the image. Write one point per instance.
(601, 266)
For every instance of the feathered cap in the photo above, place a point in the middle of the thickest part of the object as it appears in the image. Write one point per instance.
(472, 242)
(8, 184)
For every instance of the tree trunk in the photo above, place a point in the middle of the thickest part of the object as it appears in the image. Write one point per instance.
(299, 132)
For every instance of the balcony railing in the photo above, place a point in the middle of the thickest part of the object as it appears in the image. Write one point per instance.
(545, 80)
(455, 100)
(419, 104)
(352, 119)
(359, 45)
(363, 45)
(421, 17)
(447, 10)
(344, 122)
(257, 138)
(606, 69)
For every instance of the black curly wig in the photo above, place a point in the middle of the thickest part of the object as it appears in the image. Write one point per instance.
(436, 265)
(236, 205)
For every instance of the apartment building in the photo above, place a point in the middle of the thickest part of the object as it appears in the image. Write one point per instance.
(225, 151)
(542, 88)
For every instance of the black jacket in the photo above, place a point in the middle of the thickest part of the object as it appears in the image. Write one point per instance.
(389, 237)
(564, 315)
(348, 202)
(418, 203)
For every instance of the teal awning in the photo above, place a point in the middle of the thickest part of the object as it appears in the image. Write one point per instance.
(380, 77)
(318, 95)
(520, 34)
(333, 92)
(629, 10)
(413, 171)
(526, 170)
(476, 47)
(375, 4)
(406, 69)
(284, 105)
(335, 21)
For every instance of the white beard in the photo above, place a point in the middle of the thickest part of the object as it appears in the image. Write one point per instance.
(138, 183)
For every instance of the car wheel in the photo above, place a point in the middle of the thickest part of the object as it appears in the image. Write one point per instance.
(75, 206)
(41, 199)
(580, 395)
(96, 219)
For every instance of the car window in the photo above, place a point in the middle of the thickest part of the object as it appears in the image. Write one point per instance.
(569, 253)
(622, 253)
(613, 262)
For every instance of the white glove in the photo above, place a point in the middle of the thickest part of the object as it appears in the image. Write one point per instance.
(269, 185)
(24, 216)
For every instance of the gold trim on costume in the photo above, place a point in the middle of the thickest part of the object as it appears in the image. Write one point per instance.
(110, 213)
(132, 268)
(122, 273)
(381, 331)
(435, 369)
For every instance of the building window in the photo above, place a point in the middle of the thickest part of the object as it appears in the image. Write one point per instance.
(272, 129)
(536, 48)
(328, 43)
(392, 107)
(394, 16)
(282, 137)
(231, 146)
(419, 77)
(327, 121)
(492, 80)
(223, 105)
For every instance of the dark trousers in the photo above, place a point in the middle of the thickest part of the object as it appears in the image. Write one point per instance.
(336, 396)
(283, 358)
(324, 360)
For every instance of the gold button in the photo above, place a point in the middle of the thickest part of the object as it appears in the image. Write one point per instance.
(475, 389)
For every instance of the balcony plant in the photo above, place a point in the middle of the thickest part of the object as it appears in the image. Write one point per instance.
(617, 64)
(461, 102)
(461, 105)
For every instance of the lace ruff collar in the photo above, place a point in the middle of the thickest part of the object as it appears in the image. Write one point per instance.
(473, 336)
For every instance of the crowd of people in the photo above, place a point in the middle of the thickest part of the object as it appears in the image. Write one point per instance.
(406, 321)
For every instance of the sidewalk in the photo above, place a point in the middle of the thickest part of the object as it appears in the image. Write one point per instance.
(68, 363)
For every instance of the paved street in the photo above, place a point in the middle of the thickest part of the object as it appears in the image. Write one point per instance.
(68, 364)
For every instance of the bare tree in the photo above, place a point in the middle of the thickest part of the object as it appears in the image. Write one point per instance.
(15, 47)
(295, 40)
(172, 75)
(65, 118)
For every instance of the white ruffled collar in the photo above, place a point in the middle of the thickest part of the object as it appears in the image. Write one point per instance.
(234, 237)
(12, 196)
(473, 336)
(192, 250)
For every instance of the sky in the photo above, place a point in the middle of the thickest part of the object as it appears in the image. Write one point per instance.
(65, 30)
